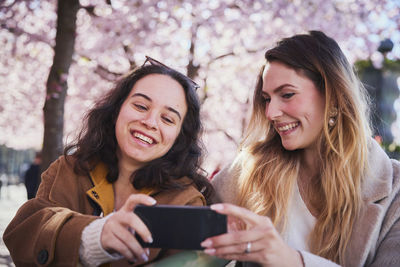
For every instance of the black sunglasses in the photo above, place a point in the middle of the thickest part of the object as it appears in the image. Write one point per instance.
(154, 62)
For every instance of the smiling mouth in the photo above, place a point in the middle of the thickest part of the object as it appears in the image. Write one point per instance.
(288, 127)
(144, 138)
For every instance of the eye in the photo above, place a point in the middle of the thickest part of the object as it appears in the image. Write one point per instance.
(266, 99)
(168, 120)
(288, 95)
(140, 107)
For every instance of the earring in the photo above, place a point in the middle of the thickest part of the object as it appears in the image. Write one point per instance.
(331, 122)
(332, 117)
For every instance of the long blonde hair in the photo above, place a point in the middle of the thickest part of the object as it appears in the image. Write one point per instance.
(269, 171)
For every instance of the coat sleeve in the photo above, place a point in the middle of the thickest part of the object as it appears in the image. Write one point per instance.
(388, 251)
(44, 231)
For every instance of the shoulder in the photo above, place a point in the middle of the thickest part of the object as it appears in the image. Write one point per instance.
(61, 166)
(64, 163)
(59, 176)
(187, 195)
(382, 179)
(225, 183)
(49, 175)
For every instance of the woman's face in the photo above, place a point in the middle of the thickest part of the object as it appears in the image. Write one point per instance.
(150, 119)
(293, 105)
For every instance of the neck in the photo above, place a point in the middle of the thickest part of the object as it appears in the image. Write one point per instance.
(125, 173)
(126, 167)
(123, 186)
(309, 164)
(309, 182)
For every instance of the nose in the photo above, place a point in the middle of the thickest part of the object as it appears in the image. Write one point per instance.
(273, 110)
(150, 120)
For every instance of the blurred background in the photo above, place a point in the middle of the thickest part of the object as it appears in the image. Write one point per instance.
(55, 62)
(58, 57)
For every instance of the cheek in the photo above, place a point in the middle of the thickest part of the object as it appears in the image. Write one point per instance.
(319, 111)
(119, 131)
(309, 108)
(118, 125)
(171, 135)
(121, 115)
(266, 111)
(292, 109)
(124, 117)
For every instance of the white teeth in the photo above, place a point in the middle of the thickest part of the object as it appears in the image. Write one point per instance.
(288, 127)
(143, 138)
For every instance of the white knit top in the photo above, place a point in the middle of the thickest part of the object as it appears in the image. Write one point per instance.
(300, 223)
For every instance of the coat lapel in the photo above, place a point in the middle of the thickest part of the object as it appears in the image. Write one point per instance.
(102, 193)
(375, 188)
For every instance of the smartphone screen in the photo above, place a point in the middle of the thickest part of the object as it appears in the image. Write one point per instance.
(180, 227)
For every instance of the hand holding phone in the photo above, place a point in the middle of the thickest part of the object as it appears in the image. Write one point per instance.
(180, 227)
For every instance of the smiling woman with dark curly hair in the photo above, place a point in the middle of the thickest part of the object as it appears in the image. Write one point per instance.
(139, 145)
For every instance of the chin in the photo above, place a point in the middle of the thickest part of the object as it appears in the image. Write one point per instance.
(289, 147)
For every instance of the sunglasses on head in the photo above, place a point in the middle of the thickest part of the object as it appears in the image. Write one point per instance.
(154, 62)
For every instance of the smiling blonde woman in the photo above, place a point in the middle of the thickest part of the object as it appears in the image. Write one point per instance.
(310, 187)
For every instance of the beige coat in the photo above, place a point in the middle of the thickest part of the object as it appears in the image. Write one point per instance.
(46, 231)
(375, 239)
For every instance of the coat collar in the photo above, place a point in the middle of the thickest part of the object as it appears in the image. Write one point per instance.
(102, 193)
(377, 184)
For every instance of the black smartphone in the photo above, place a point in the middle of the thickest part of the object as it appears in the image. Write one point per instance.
(180, 227)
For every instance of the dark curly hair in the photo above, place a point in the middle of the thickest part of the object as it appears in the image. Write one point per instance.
(97, 141)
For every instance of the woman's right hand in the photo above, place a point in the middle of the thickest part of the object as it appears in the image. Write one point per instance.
(250, 238)
(118, 234)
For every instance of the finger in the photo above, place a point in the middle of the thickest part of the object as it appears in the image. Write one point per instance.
(237, 249)
(252, 252)
(133, 223)
(242, 213)
(111, 243)
(249, 257)
(135, 199)
(235, 224)
(130, 243)
(141, 229)
(235, 238)
(123, 225)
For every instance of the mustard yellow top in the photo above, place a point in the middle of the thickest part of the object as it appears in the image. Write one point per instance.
(103, 192)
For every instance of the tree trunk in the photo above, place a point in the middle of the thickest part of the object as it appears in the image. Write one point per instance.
(57, 81)
(192, 69)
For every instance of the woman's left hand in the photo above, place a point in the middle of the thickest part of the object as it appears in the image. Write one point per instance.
(252, 238)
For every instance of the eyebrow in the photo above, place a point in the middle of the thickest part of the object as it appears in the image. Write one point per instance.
(149, 99)
(279, 88)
